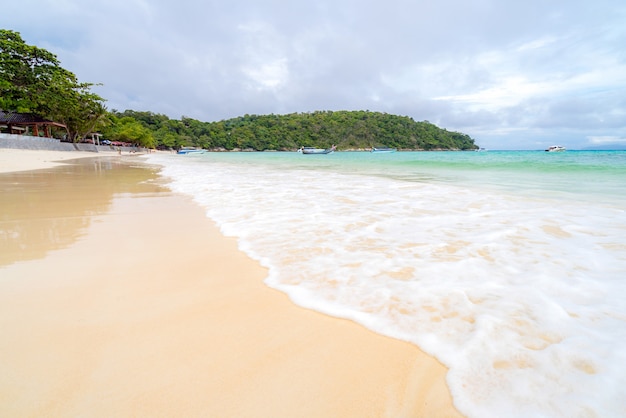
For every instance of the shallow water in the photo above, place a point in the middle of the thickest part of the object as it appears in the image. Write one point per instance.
(509, 267)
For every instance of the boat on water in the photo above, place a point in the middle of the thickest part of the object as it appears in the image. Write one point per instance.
(383, 150)
(191, 150)
(318, 151)
(555, 148)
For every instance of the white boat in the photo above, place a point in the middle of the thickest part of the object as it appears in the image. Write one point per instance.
(191, 150)
(555, 148)
(313, 150)
(383, 149)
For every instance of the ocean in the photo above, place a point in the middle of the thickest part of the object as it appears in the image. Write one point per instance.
(507, 266)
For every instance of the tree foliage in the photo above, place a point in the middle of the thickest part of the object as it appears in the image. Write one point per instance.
(346, 129)
(128, 129)
(33, 81)
(25, 73)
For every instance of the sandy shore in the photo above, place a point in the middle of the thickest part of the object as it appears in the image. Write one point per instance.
(23, 160)
(119, 298)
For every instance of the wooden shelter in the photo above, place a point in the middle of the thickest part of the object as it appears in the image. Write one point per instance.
(25, 123)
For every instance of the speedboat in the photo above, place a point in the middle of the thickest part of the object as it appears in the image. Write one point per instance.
(555, 148)
(191, 150)
(313, 150)
(383, 149)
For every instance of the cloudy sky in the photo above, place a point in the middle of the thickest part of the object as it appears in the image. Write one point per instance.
(513, 74)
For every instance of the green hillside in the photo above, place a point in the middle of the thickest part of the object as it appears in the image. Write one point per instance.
(347, 129)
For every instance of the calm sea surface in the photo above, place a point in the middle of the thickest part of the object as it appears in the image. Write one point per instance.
(509, 267)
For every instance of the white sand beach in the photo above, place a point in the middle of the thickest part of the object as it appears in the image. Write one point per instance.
(120, 298)
(23, 160)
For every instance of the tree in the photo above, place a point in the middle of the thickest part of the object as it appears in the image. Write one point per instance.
(25, 72)
(73, 104)
(33, 81)
(128, 129)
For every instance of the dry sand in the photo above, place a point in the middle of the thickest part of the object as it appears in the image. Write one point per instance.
(22, 160)
(119, 298)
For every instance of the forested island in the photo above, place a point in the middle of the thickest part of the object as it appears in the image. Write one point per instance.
(348, 130)
(32, 81)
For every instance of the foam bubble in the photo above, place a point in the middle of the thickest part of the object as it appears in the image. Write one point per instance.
(519, 294)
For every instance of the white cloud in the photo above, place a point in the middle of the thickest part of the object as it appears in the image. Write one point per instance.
(269, 75)
(536, 44)
(604, 140)
(508, 91)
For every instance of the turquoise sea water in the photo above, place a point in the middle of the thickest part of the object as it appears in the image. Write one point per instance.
(509, 267)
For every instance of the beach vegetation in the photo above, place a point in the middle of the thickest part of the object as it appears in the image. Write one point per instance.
(33, 81)
(349, 130)
(130, 130)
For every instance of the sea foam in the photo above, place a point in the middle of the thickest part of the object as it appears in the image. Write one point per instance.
(519, 294)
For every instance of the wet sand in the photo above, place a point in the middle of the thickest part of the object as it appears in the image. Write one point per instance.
(120, 298)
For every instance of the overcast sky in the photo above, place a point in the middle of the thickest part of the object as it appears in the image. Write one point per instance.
(513, 74)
